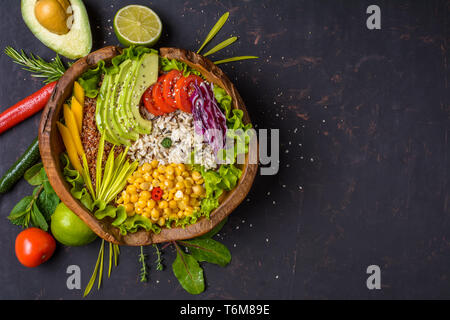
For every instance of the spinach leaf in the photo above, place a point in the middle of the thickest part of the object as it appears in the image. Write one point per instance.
(208, 250)
(188, 272)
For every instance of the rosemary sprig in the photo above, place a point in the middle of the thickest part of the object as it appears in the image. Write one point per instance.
(159, 265)
(142, 259)
(39, 68)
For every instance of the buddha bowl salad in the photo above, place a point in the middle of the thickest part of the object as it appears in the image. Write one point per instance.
(147, 141)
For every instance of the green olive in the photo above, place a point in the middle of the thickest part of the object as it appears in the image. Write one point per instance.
(52, 15)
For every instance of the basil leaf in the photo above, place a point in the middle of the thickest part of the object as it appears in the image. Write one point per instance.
(37, 219)
(32, 175)
(47, 202)
(208, 250)
(188, 272)
(20, 213)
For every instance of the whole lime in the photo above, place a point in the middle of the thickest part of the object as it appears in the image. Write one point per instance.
(68, 229)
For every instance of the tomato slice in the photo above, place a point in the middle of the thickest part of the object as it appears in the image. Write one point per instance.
(147, 99)
(169, 85)
(158, 97)
(183, 90)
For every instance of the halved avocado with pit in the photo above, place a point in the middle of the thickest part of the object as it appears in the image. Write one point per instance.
(74, 43)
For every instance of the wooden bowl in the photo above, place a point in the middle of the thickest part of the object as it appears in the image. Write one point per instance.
(50, 144)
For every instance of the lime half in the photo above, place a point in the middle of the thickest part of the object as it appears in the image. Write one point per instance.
(137, 25)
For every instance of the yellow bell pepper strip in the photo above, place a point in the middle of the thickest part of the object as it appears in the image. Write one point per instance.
(78, 92)
(71, 124)
(77, 110)
(70, 147)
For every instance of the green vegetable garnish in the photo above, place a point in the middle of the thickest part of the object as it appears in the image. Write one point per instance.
(214, 30)
(40, 68)
(221, 46)
(235, 59)
(166, 143)
(37, 209)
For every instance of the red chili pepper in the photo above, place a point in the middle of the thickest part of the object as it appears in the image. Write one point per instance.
(157, 193)
(26, 108)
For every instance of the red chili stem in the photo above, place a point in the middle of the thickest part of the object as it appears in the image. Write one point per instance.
(26, 108)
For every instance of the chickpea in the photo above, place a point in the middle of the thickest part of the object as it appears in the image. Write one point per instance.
(167, 211)
(168, 184)
(138, 210)
(163, 204)
(155, 214)
(147, 212)
(138, 181)
(180, 214)
(155, 174)
(179, 195)
(130, 179)
(144, 186)
(179, 186)
(173, 216)
(196, 175)
(145, 195)
(172, 204)
(197, 189)
(181, 167)
(161, 169)
(154, 164)
(131, 189)
(170, 170)
(161, 221)
(141, 203)
(129, 208)
(134, 198)
(187, 183)
(146, 167)
(148, 177)
(200, 182)
(151, 203)
(170, 176)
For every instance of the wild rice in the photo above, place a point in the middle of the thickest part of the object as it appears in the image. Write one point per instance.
(179, 127)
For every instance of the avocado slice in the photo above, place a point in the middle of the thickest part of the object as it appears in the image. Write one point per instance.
(117, 122)
(100, 110)
(75, 44)
(107, 112)
(120, 120)
(146, 75)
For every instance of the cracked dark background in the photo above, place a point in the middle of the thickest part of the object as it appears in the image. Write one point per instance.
(364, 155)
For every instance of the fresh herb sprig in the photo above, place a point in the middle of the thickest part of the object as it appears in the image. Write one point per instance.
(159, 265)
(215, 30)
(186, 267)
(39, 68)
(35, 210)
(142, 259)
(98, 269)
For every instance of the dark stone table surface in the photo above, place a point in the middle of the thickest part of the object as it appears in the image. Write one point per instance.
(364, 153)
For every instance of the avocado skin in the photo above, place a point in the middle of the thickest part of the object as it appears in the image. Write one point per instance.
(75, 44)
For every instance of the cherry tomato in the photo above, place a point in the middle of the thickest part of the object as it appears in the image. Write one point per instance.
(183, 90)
(157, 193)
(169, 85)
(149, 103)
(159, 98)
(34, 246)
